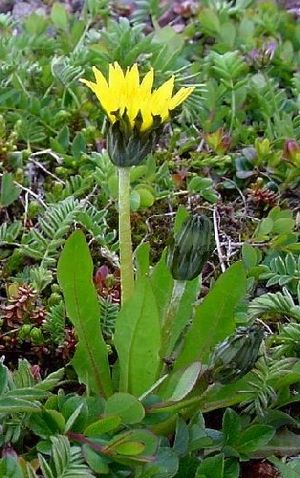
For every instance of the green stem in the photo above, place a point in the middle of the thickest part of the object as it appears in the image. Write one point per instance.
(177, 293)
(126, 263)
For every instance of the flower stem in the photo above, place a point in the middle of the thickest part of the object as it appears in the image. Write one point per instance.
(177, 293)
(126, 263)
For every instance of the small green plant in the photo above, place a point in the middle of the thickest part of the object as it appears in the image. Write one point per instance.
(142, 372)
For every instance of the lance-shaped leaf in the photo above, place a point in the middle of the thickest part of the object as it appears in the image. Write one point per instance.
(214, 317)
(75, 270)
(137, 340)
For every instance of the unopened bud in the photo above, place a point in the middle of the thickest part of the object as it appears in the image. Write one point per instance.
(190, 248)
(236, 355)
(291, 149)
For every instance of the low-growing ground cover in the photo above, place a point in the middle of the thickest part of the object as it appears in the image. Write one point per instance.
(185, 360)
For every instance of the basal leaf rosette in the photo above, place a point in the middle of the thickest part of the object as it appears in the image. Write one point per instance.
(136, 111)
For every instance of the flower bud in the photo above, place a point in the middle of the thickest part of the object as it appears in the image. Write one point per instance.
(190, 248)
(236, 355)
(291, 149)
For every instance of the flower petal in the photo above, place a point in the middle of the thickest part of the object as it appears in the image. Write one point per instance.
(180, 97)
(116, 86)
(100, 79)
(132, 79)
(161, 97)
(147, 119)
(147, 82)
(88, 83)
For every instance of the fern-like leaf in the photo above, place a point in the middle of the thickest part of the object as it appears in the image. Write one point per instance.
(9, 233)
(76, 186)
(55, 323)
(66, 461)
(145, 10)
(109, 312)
(45, 241)
(276, 303)
(38, 277)
(287, 341)
(63, 71)
(283, 271)
(94, 222)
(267, 371)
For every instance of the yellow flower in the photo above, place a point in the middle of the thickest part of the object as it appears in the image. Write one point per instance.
(124, 93)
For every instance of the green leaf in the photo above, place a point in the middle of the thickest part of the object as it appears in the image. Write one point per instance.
(186, 382)
(97, 462)
(51, 381)
(214, 318)
(249, 255)
(126, 406)
(187, 467)
(135, 200)
(72, 419)
(228, 34)
(231, 426)
(254, 437)
(130, 448)
(164, 465)
(211, 467)
(3, 378)
(137, 172)
(209, 21)
(78, 146)
(10, 468)
(185, 309)
(162, 284)
(146, 437)
(142, 256)
(285, 469)
(283, 226)
(138, 340)
(284, 443)
(27, 393)
(63, 139)
(264, 228)
(104, 425)
(146, 197)
(59, 16)
(47, 423)
(182, 438)
(17, 405)
(231, 468)
(75, 411)
(75, 272)
(9, 191)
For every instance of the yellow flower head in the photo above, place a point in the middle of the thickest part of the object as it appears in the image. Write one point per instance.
(124, 93)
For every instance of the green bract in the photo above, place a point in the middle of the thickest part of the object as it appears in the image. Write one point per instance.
(126, 146)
